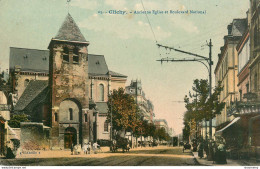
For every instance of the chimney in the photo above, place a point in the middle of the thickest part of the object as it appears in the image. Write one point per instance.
(229, 27)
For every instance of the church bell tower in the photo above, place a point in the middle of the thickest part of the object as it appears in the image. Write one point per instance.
(68, 81)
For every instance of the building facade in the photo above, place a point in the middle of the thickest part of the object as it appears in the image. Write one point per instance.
(146, 106)
(102, 82)
(227, 67)
(255, 48)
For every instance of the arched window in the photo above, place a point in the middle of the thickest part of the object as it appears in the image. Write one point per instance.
(101, 92)
(86, 117)
(71, 113)
(55, 116)
(26, 82)
(106, 127)
(75, 55)
(91, 94)
(66, 54)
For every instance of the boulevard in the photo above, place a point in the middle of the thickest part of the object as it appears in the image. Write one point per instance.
(147, 156)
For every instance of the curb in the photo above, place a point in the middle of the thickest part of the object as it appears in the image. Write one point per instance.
(197, 162)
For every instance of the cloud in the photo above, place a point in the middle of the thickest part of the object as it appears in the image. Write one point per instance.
(123, 27)
(116, 4)
(180, 22)
(159, 5)
(89, 4)
(131, 26)
(183, 23)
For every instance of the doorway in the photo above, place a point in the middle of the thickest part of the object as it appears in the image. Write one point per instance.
(70, 137)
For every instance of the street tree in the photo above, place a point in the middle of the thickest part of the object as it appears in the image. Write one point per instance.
(124, 111)
(199, 105)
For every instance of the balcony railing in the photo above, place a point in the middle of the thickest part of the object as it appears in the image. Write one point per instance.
(243, 108)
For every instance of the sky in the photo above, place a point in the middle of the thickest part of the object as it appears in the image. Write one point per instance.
(127, 41)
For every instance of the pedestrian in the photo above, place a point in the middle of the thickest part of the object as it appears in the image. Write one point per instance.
(84, 148)
(95, 146)
(75, 148)
(71, 148)
(206, 148)
(89, 147)
(200, 152)
(221, 159)
(214, 151)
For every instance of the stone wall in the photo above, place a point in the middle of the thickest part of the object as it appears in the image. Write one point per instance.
(34, 136)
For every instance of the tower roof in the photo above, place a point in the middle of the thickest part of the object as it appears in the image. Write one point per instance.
(69, 31)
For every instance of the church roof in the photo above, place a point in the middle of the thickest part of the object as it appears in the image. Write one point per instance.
(97, 65)
(31, 60)
(34, 60)
(33, 89)
(115, 74)
(69, 31)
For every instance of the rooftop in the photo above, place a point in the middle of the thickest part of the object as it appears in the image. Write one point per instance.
(33, 89)
(35, 60)
(69, 31)
(29, 59)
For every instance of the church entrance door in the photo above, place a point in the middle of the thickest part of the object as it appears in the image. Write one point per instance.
(70, 137)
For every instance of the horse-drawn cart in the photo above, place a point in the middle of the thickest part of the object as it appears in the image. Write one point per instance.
(120, 143)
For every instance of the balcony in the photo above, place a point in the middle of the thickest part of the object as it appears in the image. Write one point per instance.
(243, 108)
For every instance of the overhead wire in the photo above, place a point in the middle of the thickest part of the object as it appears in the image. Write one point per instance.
(149, 22)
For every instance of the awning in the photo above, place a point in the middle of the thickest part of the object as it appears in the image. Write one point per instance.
(219, 132)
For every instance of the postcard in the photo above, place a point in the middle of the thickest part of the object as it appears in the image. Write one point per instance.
(129, 83)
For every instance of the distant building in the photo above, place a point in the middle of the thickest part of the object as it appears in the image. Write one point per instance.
(146, 106)
(161, 123)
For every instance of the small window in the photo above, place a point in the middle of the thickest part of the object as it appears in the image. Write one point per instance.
(71, 113)
(75, 59)
(66, 54)
(26, 82)
(55, 116)
(101, 92)
(75, 55)
(86, 117)
(106, 127)
(247, 88)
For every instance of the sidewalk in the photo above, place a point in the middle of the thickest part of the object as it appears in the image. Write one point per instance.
(205, 162)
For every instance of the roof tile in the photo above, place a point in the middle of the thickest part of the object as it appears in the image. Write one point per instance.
(69, 31)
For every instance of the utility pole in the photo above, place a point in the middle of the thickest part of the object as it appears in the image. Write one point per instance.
(208, 66)
(210, 90)
(111, 118)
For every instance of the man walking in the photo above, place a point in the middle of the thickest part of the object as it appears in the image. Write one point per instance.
(71, 148)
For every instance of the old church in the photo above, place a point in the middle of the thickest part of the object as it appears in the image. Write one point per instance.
(64, 88)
